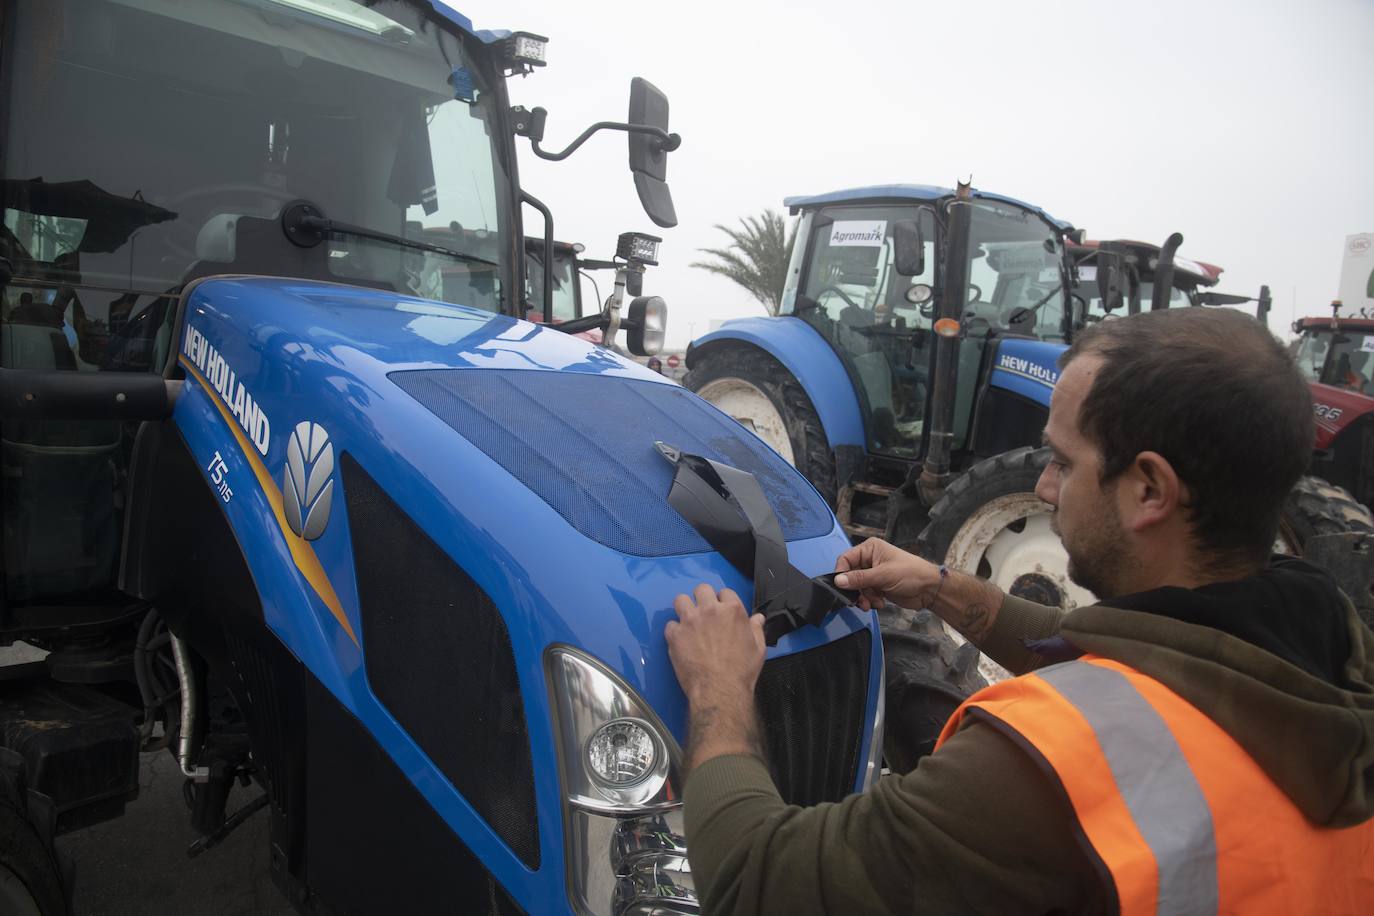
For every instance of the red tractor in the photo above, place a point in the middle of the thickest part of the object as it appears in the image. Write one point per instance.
(1337, 356)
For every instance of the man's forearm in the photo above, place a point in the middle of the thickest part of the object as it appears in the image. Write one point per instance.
(721, 724)
(967, 603)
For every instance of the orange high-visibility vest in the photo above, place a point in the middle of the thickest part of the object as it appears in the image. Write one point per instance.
(1179, 818)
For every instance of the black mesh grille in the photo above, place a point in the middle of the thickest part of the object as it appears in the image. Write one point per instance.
(812, 707)
(439, 658)
(263, 703)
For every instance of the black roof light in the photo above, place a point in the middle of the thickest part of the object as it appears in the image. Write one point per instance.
(523, 51)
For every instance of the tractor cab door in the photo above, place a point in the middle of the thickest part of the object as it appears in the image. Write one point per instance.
(62, 481)
(852, 294)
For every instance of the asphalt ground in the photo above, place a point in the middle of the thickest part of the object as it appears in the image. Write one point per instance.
(136, 865)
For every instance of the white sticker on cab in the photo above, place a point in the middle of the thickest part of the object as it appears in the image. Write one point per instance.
(854, 232)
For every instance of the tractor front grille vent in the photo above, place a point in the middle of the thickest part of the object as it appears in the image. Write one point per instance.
(438, 656)
(812, 706)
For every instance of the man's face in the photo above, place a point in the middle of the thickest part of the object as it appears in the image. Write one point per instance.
(1086, 515)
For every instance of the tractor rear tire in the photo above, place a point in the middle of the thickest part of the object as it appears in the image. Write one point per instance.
(990, 523)
(926, 675)
(30, 880)
(1316, 507)
(754, 374)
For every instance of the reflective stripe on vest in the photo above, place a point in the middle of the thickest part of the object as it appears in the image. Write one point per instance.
(1184, 821)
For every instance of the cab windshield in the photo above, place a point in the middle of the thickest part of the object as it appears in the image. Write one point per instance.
(146, 137)
(1344, 359)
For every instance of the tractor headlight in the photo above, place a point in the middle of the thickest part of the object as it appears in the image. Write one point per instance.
(623, 753)
(647, 325)
(622, 794)
(616, 756)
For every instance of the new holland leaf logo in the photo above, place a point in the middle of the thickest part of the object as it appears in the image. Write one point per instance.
(308, 488)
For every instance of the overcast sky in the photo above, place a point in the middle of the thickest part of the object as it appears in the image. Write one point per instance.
(1246, 126)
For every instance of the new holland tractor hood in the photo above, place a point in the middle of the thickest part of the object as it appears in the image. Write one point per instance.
(444, 508)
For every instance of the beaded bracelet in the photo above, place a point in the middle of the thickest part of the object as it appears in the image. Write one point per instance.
(944, 574)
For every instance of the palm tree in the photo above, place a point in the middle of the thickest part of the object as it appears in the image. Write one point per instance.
(757, 257)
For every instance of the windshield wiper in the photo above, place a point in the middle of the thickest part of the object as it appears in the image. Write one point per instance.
(1021, 314)
(306, 226)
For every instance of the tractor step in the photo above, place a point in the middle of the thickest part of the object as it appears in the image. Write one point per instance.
(861, 532)
(862, 509)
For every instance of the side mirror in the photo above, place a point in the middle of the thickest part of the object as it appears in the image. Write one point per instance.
(646, 325)
(908, 248)
(1109, 280)
(649, 151)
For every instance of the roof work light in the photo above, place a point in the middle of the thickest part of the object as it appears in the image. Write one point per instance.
(639, 247)
(524, 51)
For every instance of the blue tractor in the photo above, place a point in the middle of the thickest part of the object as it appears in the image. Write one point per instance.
(292, 491)
(909, 370)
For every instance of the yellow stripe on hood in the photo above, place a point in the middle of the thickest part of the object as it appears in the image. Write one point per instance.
(301, 550)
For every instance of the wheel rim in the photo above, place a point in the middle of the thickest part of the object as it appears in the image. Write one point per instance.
(753, 410)
(1009, 542)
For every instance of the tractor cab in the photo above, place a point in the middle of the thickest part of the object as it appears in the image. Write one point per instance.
(1135, 264)
(1338, 352)
(1120, 276)
(868, 275)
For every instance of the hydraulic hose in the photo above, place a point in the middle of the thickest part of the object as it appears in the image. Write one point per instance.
(145, 689)
(186, 677)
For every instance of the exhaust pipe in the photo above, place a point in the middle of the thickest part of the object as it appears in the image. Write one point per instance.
(186, 679)
(1164, 272)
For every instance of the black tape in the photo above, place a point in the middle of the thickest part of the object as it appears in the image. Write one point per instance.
(727, 507)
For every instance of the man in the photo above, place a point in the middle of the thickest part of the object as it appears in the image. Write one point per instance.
(1212, 751)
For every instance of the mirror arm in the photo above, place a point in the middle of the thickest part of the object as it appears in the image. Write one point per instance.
(666, 142)
(586, 323)
(534, 202)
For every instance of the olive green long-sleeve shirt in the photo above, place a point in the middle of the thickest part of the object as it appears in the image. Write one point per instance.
(973, 829)
(977, 827)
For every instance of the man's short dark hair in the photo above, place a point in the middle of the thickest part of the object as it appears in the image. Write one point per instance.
(1220, 398)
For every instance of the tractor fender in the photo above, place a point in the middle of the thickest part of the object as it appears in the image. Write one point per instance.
(1028, 368)
(812, 362)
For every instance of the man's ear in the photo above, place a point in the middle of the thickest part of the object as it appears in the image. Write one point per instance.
(1153, 492)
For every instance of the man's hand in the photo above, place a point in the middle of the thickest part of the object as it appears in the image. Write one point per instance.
(717, 651)
(882, 572)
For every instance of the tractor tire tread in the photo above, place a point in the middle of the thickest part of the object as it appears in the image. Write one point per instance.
(950, 512)
(927, 675)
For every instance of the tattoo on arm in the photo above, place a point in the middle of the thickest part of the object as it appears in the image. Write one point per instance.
(974, 621)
